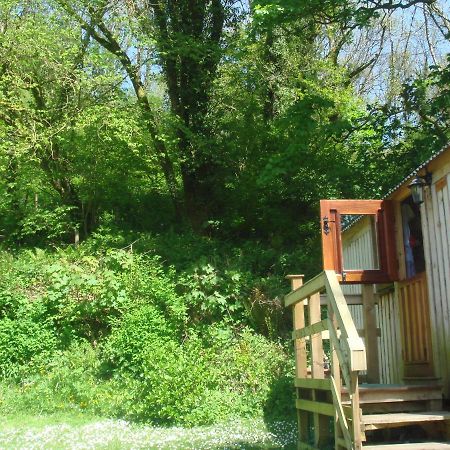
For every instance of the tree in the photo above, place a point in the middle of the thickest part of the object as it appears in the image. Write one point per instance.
(186, 38)
(50, 79)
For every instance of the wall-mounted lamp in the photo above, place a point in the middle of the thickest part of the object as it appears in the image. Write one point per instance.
(417, 186)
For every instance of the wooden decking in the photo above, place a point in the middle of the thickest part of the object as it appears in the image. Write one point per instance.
(395, 420)
(363, 416)
(411, 446)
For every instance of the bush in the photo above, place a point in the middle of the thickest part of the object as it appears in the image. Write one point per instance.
(116, 333)
(21, 340)
(66, 381)
(198, 381)
(176, 380)
(131, 337)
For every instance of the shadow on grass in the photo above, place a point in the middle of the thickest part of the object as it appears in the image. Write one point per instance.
(280, 416)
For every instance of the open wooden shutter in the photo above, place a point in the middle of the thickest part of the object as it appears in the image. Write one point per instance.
(331, 212)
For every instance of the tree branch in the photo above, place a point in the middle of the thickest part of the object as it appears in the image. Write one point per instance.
(390, 4)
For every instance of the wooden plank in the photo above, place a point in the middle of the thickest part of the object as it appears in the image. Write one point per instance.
(399, 239)
(313, 383)
(340, 413)
(388, 235)
(357, 354)
(428, 351)
(351, 299)
(389, 357)
(353, 207)
(446, 194)
(416, 327)
(441, 184)
(439, 237)
(364, 276)
(444, 217)
(321, 423)
(311, 330)
(317, 355)
(410, 446)
(326, 334)
(371, 339)
(356, 422)
(313, 286)
(429, 243)
(343, 364)
(326, 409)
(387, 342)
(392, 420)
(298, 317)
(301, 370)
(392, 360)
(331, 238)
(397, 342)
(336, 375)
(362, 333)
(383, 342)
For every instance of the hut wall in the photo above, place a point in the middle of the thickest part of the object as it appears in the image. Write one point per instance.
(436, 232)
(358, 250)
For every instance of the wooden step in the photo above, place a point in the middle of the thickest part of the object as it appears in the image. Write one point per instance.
(392, 420)
(390, 393)
(410, 446)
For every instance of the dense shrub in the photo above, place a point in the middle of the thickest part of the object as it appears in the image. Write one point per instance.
(66, 381)
(20, 340)
(200, 380)
(119, 333)
(132, 336)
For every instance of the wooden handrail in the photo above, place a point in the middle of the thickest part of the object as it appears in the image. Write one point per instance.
(313, 286)
(349, 333)
(349, 356)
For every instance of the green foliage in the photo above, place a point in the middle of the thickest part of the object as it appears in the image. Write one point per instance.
(189, 149)
(117, 334)
(66, 381)
(195, 382)
(81, 299)
(45, 225)
(131, 336)
(212, 296)
(21, 339)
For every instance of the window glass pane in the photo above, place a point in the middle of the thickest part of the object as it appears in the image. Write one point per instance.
(412, 238)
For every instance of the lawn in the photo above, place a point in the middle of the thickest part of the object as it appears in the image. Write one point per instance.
(87, 432)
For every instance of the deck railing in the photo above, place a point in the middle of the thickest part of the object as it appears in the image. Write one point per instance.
(322, 369)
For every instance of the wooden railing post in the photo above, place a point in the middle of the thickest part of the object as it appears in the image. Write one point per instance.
(370, 333)
(321, 422)
(348, 356)
(356, 419)
(350, 351)
(301, 369)
(336, 375)
(298, 319)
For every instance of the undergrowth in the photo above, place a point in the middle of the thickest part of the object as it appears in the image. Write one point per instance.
(123, 333)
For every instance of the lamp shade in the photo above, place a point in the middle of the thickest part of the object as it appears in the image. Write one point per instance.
(416, 187)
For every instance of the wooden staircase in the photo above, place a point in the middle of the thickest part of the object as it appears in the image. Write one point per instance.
(402, 417)
(334, 410)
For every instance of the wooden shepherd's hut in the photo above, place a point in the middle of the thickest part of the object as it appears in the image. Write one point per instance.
(372, 331)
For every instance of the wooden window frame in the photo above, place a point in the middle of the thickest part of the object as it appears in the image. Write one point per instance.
(383, 211)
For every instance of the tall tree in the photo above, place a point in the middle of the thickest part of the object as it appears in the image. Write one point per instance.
(186, 39)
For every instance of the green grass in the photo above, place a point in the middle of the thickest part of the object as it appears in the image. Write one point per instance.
(80, 431)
